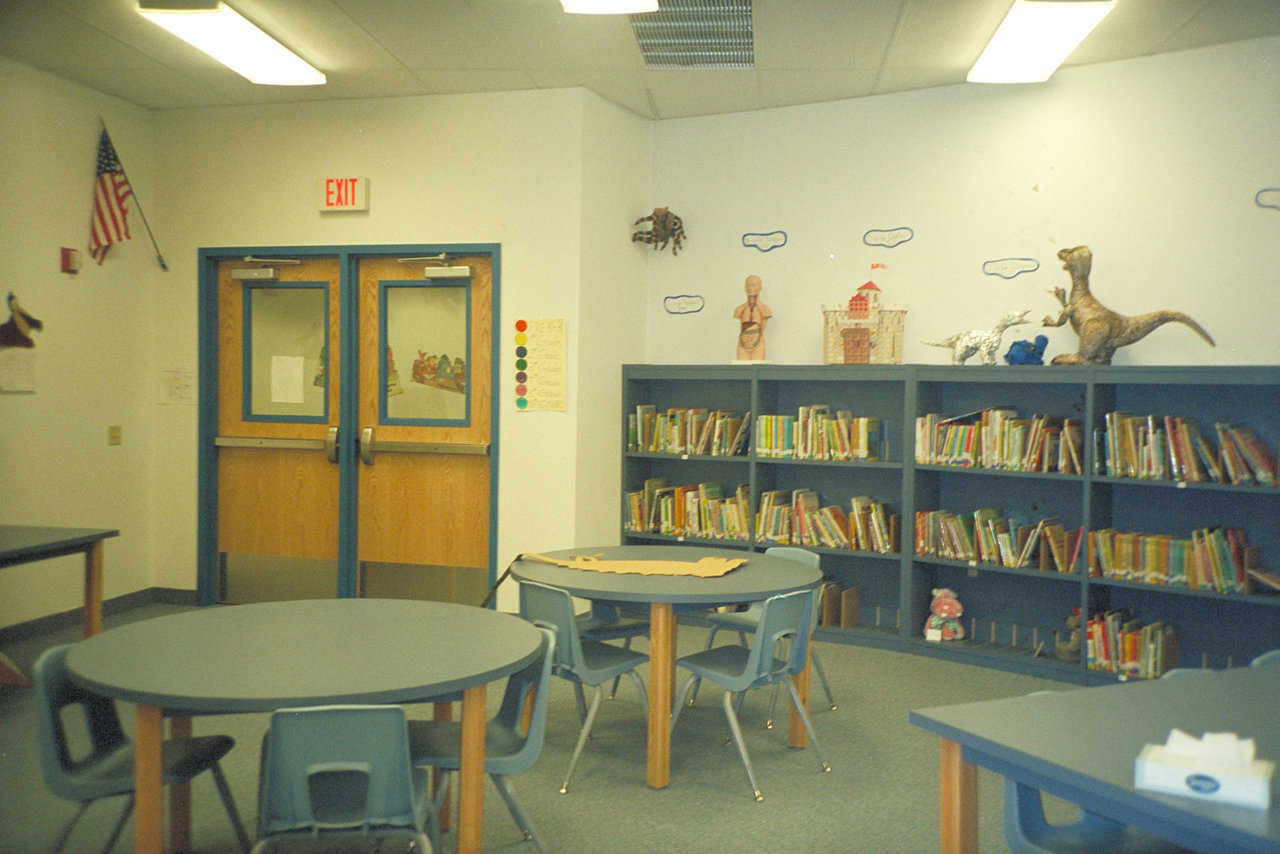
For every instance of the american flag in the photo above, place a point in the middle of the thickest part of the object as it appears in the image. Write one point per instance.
(109, 222)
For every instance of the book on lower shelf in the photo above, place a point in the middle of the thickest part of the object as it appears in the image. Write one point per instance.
(1117, 643)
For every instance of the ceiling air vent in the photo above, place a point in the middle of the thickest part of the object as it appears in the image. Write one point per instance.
(686, 34)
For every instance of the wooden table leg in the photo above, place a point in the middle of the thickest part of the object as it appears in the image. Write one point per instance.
(442, 712)
(10, 674)
(958, 796)
(180, 796)
(93, 589)
(471, 771)
(147, 782)
(662, 658)
(797, 735)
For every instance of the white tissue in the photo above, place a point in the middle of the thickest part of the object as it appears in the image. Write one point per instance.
(1220, 748)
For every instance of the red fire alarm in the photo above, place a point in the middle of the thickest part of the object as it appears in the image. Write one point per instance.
(70, 260)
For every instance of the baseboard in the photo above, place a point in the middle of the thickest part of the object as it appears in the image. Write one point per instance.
(116, 605)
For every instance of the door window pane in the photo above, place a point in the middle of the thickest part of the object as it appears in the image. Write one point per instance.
(427, 343)
(286, 361)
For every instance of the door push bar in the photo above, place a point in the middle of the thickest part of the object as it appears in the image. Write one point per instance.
(368, 445)
(329, 444)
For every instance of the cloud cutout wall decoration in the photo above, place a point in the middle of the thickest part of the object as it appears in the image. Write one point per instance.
(1008, 268)
(683, 304)
(765, 241)
(1268, 198)
(889, 237)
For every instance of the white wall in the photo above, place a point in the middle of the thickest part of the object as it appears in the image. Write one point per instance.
(93, 360)
(496, 168)
(1154, 163)
(615, 169)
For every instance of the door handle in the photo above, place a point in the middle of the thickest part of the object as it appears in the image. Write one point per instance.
(366, 446)
(331, 445)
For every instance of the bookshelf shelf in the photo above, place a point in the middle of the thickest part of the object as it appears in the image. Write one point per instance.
(1017, 606)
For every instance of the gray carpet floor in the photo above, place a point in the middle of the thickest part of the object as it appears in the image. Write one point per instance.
(880, 796)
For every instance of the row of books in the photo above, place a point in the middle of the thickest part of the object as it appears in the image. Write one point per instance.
(798, 517)
(1118, 644)
(699, 510)
(986, 536)
(1217, 559)
(999, 438)
(679, 430)
(1172, 447)
(815, 432)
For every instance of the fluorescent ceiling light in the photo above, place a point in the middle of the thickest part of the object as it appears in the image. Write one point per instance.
(609, 7)
(224, 34)
(1035, 38)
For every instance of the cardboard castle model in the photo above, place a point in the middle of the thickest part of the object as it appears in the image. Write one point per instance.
(864, 332)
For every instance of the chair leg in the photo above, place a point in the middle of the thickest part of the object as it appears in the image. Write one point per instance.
(644, 696)
(66, 831)
(711, 636)
(773, 702)
(597, 692)
(804, 716)
(582, 702)
(613, 691)
(679, 704)
(742, 747)
(115, 833)
(229, 802)
(822, 677)
(517, 812)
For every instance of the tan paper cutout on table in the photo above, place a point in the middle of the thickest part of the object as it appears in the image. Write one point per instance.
(707, 567)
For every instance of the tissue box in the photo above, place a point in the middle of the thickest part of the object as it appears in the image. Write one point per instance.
(1248, 785)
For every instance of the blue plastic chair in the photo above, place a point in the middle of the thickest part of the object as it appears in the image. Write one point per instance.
(1028, 832)
(737, 669)
(746, 621)
(334, 774)
(604, 622)
(1270, 658)
(107, 769)
(581, 661)
(508, 749)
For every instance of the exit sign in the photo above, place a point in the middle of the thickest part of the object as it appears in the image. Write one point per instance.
(344, 194)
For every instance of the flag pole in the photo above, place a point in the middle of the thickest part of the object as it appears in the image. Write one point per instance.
(137, 203)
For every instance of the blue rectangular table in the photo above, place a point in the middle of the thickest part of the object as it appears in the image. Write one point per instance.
(1080, 745)
(27, 543)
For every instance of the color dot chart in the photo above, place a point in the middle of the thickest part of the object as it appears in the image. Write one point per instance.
(540, 351)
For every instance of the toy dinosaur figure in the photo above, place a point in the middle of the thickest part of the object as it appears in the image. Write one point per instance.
(1101, 330)
(980, 342)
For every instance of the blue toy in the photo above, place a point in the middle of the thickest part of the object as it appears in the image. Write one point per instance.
(1026, 352)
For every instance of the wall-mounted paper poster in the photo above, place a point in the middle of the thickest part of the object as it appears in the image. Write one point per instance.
(541, 355)
(426, 331)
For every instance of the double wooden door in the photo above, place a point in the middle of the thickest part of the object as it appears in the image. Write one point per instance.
(347, 424)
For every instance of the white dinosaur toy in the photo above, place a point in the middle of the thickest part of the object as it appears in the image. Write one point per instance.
(980, 342)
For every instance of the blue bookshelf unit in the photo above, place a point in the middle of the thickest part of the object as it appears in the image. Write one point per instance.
(1013, 615)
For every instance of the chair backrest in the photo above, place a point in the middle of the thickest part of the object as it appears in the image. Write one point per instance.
(68, 776)
(554, 607)
(535, 677)
(806, 557)
(786, 615)
(1270, 658)
(337, 767)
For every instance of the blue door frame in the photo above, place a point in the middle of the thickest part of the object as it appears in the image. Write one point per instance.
(349, 257)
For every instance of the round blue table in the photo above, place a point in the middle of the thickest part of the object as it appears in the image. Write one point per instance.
(758, 579)
(258, 658)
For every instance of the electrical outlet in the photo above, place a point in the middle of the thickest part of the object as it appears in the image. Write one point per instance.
(115, 434)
